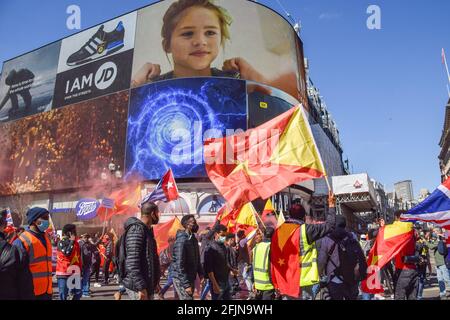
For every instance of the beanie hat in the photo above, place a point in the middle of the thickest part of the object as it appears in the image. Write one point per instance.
(35, 213)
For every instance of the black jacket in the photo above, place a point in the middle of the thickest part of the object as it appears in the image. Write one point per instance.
(16, 282)
(186, 259)
(316, 231)
(87, 252)
(142, 269)
(109, 250)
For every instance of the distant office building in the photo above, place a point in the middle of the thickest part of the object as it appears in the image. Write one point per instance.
(404, 190)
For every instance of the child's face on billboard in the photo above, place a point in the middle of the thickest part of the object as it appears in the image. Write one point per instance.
(196, 39)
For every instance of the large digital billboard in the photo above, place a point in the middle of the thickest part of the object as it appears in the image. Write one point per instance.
(96, 61)
(63, 148)
(168, 122)
(225, 38)
(27, 83)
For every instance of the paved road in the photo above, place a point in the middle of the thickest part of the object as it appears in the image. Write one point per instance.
(431, 292)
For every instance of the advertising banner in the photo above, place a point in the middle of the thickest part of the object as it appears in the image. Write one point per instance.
(86, 209)
(63, 148)
(175, 40)
(169, 121)
(27, 83)
(96, 61)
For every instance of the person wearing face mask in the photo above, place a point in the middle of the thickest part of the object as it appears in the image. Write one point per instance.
(142, 268)
(186, 259)
(35, 246)
(216, 266)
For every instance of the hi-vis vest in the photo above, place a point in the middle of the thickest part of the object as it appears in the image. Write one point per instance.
(309, 270)
(40, 262)
(261, 266)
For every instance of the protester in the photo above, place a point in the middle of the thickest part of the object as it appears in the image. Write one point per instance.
(107, 242)
(406, 280)
(68, 264)
(166, 264)
(15, 276)
(87, 253)
(232, 254)
(216, 265)
(142, 269)
(261, 267)
(342, 261)
(424, 252)
(440, 252)
(244, 263)
(309, 234)
(206, 237)
(35, 246)
(186, 259)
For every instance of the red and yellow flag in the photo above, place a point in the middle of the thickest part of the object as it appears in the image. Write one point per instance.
(262, 161)
(126, 201)
(390, 241)
(163, 231)
(284, 259)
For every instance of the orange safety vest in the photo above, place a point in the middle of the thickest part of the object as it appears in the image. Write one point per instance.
(40, 261)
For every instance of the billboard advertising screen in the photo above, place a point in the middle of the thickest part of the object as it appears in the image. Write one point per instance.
(168, 122)
(63, 148)
(181, 38)
(96, 61)
(27, 83)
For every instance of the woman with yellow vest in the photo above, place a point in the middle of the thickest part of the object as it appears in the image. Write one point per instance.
(261, 267)
(35, 244)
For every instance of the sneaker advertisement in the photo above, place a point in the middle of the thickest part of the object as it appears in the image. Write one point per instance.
(27, 83)
(96, 62)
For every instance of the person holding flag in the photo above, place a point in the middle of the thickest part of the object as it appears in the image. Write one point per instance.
(293, 254)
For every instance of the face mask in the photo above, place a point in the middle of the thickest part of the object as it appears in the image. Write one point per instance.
(195, 228)
(43, 225)
(221, 239)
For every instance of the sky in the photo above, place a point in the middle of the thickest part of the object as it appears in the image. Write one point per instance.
(386, 89)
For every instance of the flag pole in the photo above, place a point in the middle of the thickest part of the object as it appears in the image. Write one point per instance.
(446, 66)
(257, 217)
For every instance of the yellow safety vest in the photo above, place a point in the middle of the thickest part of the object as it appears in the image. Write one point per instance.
(309, 270)
(261, 266)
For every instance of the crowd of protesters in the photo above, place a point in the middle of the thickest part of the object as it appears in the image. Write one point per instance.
(214, 263)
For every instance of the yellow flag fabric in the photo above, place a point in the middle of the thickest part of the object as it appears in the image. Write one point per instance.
(268, 207)
(280, 219)
(247, 215)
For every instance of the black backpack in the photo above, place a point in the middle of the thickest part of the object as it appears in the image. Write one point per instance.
(352, 263)
(119, 258)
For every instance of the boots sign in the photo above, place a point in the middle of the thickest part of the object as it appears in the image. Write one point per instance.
(86, 209)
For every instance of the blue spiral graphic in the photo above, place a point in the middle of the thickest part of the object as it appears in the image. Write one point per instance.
(167, 122)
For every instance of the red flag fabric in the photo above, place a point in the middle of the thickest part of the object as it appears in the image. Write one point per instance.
(126, 201)
(169, 186)
(284, 258)
(163, 231)
(390, 242)
(262, 161)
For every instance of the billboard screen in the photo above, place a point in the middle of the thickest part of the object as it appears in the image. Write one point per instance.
(63, 148)
(96, 61)
(27, 83)
(169, 120)
(175, 39)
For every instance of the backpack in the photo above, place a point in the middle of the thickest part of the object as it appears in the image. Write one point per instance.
(352, 267)
(119, 258)
(442, 248)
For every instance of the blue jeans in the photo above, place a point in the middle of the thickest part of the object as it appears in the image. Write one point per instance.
(167, 285)
(443, 278)
(225, 292)
(421, 285)
(366, 296)
(85, 280)
(64, 290)
(206, 289)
